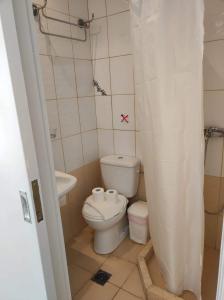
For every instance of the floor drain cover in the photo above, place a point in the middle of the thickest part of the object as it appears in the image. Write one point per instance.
(101, 277)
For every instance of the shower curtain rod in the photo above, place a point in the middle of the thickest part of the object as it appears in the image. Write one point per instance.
(81, 23)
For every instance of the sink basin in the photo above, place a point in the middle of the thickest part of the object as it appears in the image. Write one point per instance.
(64, 183)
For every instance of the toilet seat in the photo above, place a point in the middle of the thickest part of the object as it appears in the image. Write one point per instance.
(91, 213)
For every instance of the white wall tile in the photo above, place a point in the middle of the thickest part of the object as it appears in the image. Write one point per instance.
(90, 146)
(102, 74)
(84, 77)
(214, 108)
(138, 114)
(122, 77)
(60, 46)
(213, 163)
(69, 117)
(99, 39)
(138, 145)
(104, 112)
(123, 105)
(106, 142)
(214, 65)
(64, 77)
(87, 113)
(72, 147)
(214, 19)
(116, 6)
(53, 119)
(124, 142)
(43, 40)
(97, 7)
(48, 77)
(59, 164)
(59, 5)
(78, 8)
(81, 49)
(119, 34)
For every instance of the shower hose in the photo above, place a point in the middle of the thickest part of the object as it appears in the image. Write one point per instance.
(209, 133)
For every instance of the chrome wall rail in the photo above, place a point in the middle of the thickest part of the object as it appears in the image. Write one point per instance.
(81, 23)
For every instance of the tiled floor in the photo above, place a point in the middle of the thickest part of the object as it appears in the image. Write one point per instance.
(122, 264)
(125, 282)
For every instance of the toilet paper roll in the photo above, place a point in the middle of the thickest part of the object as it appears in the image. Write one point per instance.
(111, 195)
(98, 194)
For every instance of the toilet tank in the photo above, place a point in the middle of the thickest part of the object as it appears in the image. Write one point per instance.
(121, 173)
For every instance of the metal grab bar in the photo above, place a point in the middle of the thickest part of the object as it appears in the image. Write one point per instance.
(81, 23)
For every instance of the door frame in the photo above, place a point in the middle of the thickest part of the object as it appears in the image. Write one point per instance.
(27, 38)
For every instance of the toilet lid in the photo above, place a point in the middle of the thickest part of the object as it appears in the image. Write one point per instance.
(108, 209)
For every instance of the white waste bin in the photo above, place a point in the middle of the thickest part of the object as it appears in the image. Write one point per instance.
(138, 222)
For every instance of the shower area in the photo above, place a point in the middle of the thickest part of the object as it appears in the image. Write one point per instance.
(87, 70)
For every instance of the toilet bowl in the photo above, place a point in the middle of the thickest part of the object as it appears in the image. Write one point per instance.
(108, 218)
(109, 232)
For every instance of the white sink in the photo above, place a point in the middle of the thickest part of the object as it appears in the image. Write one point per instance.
(64, 183)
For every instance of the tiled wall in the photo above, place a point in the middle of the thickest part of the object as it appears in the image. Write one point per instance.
(113, 68)
(214, 116)
(67, 78)
(68, 75)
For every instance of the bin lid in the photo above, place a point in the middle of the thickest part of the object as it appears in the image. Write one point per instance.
(139, 209)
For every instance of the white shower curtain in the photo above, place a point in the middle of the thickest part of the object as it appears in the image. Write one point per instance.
(168, 46)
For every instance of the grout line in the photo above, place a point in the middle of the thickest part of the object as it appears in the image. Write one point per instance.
(215, 40)
(114, 56)
(215, 90)
(66, 57)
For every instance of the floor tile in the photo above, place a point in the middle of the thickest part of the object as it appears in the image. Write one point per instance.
(123, 295)
(82, 254)
(97, 292)
(119, 268)
(78, 278)
(134, 285)
(128, 250)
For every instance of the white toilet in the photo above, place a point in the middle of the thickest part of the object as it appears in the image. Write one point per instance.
(120, 173)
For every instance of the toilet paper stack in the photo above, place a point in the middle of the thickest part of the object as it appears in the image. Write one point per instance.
(99, 194)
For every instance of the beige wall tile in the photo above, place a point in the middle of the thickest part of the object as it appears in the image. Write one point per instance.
(211, 225)
(221, 195)
(88, 177)
(211, 193)
(141, 194)
(219, 232)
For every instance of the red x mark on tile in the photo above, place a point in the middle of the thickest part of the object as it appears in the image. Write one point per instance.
(124, 118)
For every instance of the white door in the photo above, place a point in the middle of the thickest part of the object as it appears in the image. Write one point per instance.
(22, 228)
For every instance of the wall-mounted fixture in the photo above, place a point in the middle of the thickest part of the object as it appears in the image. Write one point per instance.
(81, 23)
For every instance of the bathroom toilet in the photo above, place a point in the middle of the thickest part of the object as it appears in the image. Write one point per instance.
(108, 216)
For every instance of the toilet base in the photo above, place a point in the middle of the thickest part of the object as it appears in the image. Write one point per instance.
(106, 241)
